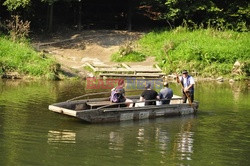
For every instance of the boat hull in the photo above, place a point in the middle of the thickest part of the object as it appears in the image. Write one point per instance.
(79, 109)
(117, 115)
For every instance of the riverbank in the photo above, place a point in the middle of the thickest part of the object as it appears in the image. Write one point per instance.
(20, 60)
(206, 53)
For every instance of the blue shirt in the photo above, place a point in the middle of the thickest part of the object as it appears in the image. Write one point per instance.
(166, 93)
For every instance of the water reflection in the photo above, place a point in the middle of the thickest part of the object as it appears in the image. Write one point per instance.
(185, 142)
(65, 136)
(116, 141)
(185, 145)
(238, 89)
(163, 139)
(173, 138)
(140, 139)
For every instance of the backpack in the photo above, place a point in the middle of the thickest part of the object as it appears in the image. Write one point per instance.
(116, 97)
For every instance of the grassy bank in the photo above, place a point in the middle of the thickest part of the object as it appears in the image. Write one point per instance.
(22, 58)
(208, 52)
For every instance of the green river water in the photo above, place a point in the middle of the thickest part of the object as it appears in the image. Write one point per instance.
(30, 134)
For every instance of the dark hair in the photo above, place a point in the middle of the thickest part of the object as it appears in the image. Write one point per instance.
(148, 85)
(184, 72)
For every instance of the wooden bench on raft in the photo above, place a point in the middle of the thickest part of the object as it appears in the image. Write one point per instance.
(95, 104)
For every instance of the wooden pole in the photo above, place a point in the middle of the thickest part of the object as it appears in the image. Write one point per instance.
(177, 76)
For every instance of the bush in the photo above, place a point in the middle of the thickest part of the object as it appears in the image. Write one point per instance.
(131, 57)
(207, 51)
(17, 28)
(22, 58)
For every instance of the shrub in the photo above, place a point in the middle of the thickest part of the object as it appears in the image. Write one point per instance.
(17, 28)
(208, 51)
(131, 57)
(22, 58)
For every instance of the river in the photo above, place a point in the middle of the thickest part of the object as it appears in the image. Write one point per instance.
(30, 134)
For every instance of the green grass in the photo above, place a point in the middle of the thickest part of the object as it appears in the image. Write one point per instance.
(207, 51)
(22, 58)
(131, 57)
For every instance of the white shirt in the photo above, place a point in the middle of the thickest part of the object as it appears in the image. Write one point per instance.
(191, 80)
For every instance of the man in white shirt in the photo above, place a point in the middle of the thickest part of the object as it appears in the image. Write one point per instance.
(187, 82)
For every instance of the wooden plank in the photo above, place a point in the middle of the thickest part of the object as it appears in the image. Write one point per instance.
(128, 75)
(157, 67)
(145, 69)
(91, 66)
(127, 70)
(113, 70)
(151, 74)
(62, 110)
(116, 70)
(98, 103)
(101, 66)
(126, 66)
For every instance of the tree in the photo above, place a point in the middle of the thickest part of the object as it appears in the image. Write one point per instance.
(50, 13)
(14, 4)
(220, 14)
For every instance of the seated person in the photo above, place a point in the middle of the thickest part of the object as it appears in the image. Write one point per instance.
(118, 94)
(149, 94)
(166, 93)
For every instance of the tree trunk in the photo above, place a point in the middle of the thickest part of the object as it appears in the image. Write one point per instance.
(129, 19)
(79, 22)
(50, 15)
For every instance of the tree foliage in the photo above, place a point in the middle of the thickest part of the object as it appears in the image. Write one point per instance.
(226, 14)
(14, 4)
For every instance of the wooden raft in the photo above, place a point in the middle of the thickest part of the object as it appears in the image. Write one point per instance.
(127, 71)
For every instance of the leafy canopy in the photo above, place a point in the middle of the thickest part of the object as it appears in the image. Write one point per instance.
(14, 4)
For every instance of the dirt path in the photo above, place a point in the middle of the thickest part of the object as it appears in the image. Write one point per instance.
(73, 50)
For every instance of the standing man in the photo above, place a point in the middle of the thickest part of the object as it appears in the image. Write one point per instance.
(187, 82)
(166, 93)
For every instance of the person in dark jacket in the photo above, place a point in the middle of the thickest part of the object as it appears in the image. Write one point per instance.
(149, 94)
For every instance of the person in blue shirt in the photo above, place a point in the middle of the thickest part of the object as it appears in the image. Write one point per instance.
(187, 82)
(166, 93)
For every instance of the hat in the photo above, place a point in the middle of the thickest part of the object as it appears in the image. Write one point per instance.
(184, 72)
(148, 85)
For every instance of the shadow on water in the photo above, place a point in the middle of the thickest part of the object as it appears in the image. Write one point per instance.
(30, 134)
